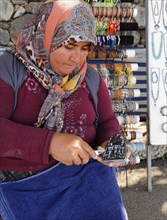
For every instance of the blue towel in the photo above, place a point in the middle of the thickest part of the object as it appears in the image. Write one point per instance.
(85, 192)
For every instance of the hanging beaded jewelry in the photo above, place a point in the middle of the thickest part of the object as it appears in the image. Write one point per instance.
(164, 13)
(165, 47)
(137, 147)
(133, 119)
(130, 76)
(121, 94)
(164, 77)
(117, 94)
(154, 42)
(131, 93)
(116, 2)
(132, 135)
(124, 106)
(119, 71)
(125, 119)
(155, 82)
(156, 13)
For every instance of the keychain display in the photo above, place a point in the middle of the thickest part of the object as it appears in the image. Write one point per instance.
(111, 18)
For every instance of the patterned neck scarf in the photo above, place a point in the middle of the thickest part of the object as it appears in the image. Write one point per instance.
(55, 24)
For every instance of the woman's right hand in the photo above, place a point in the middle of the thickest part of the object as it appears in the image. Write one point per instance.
(70, 149)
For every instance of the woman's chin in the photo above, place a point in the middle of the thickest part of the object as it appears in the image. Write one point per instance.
(66, 71)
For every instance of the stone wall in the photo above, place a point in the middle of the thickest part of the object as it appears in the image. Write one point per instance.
(15, 13)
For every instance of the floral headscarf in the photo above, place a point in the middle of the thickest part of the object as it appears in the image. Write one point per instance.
(56, 23)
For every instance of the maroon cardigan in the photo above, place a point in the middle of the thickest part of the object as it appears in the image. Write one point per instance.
(23, 147)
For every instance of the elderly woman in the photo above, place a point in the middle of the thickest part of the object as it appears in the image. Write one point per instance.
(52, 120)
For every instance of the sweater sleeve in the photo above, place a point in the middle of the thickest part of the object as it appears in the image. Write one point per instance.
(19, 141)
(108, 124)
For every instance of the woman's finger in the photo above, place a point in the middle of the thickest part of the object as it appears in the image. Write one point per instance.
(84, 156)
(89, 150)
(77, 160)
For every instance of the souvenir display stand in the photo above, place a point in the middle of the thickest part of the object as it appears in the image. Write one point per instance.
(156, 75)
(157, 71)
(115, 20)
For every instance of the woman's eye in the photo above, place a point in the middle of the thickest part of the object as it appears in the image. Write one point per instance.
(87, 48)
(84, 48)
(69, 47)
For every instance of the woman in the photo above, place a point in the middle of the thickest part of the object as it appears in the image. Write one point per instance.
(49, 130)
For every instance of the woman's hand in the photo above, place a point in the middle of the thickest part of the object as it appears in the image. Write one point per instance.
(70, 149)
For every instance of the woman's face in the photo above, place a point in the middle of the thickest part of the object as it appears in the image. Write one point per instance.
(65, 59)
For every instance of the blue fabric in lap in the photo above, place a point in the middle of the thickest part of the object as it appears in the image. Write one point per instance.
(85, 192)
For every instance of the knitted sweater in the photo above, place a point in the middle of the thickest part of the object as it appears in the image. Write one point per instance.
(23, 147)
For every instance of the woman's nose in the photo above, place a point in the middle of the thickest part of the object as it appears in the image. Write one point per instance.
(76, 57)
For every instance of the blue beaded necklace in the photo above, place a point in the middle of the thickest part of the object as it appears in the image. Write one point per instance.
(153, 40)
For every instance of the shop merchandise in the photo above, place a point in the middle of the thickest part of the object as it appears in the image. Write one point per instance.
(112, 19)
